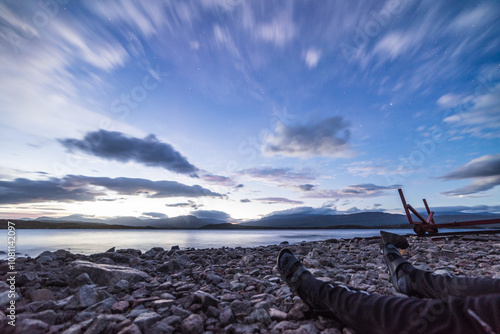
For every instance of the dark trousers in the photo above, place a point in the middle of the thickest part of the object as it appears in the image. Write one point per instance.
(457, 305)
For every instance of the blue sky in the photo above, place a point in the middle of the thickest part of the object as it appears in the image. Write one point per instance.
(236, 109)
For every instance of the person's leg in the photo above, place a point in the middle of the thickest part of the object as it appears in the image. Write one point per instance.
(371, 313)
(415, 282)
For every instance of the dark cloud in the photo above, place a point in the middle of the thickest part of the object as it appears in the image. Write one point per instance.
(485, 172)
(485, 166)
(116, 146)
(245, 200)
(28, 191)
(78, 188)
(133, 186)
(211, 214)
(239, 186)
(278, 200)
(353, 191)
(189, 204)
(464, 209)
(305, 210)
(155, 214)
(306, 187)
(327, 137)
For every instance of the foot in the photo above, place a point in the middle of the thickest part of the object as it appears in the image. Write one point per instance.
(299, 279)
(395, 239)
(290, 268)
(399, 269)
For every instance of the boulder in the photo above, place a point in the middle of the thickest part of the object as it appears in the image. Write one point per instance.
(107, 275)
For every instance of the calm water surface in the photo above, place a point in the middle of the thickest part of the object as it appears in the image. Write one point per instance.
(33, 242)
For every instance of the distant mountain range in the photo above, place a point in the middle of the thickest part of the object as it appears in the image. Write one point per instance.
(279, 221)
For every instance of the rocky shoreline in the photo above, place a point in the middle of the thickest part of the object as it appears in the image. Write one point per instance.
(223, 290)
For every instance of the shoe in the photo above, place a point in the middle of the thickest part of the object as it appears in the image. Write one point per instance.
(395, 239)
(399, 269)
(299, 279)
(290, 268)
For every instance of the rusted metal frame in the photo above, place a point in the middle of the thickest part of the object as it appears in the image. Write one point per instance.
(415, 212)
(430, 219)
(405, 206)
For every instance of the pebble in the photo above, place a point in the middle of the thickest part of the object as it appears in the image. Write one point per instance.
(224, 290)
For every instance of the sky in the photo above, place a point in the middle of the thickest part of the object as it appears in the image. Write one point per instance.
(236, 110)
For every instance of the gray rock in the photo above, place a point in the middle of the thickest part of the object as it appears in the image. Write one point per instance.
(212, 312)
(116, 257)
(241, 329)
(170, 267)
(180, 312)
(161, 327)
(48, 316)
(205, 299)
(5, 300)
(41, 295)
(241, 307)
(87, 296)
(226, 316)
(276, 314)
(80, 280)
(32, 326)
(122, 285)
(111, 250)
(192, 324)
(3, 319)
(44, 259)
(62, 254)
(107, 275)
(130, 251)
(146, 319)
(260, 316)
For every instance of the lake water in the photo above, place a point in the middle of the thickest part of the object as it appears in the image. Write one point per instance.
(33, 242)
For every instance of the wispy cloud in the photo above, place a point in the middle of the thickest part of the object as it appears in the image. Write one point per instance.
(220, 180)
(353, 191)
(211, 214)
(278, 175)
(312, 57)
(157, 215)
(327, 137)
(485, 172)
(118, 147)
(277, 200)
(482, 119)
(79, 188)
(189, 204)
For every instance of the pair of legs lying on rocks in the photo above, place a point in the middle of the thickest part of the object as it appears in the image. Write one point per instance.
(452, 304)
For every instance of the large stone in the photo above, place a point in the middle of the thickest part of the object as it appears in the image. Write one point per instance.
(41, 295)
(146, 319)
(32, 326)
(87, 296)
(226, 316)
(205, 299)
(116, 257)
(192, 324)
(241, 307)
(170, 267)
(105, 274)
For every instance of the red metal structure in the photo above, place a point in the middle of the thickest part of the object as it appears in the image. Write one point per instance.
(428, 224)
